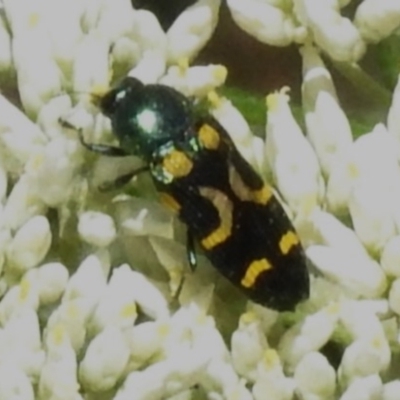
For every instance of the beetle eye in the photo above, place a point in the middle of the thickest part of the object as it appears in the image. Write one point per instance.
(111, 99)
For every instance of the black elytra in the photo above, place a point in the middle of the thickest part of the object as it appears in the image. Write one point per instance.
(228, 209)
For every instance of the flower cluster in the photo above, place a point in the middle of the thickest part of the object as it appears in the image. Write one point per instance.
(89, 280)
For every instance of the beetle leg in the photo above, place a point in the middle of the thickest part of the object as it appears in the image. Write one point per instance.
(104, 149)
(191, 254)
(121, 180)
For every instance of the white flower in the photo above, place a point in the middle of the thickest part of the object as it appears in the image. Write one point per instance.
(327, 126)
(376, 20)
(391, 390)
(192, 29)
(335, 34)
(96, 228)
(116, 306)
(247, 346)
(29, 245)
(295, 168)
(368, 388)
(315, 377)
(104, 361)
(12, 381)
(308, 335)
(266, 21)
(58, 378)
(195, 81)
(271, 383)
(393, 120)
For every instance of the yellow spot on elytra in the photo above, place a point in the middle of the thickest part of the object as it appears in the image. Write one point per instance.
(271, 359)
(58, 333)
(288, 240)
(128, 310)
(263, 195)
(169, 201)
(209, 137)
(177, 164)
(224, 207)
(254, 270)
(24, 288)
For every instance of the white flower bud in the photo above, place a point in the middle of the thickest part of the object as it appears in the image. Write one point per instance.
(368, 388)
(393, 118)
(71, 316)
(89, 280)
(391, 390)
(333, 33)
(331, 232)
(308, 335)
(315, 377)
(58, 379)
(360, 321)
(144, 341)
(248, 343)
(105, 360)
(327, 126)
(14, 384)
(377, 20)
(364, 358)
(91, 71)
(372, 214)
(53, 170)
(192, 29)
(360, 275)
(390, 257)
(394, 296)
(52, 280)
(5, 239)
(96, 228)
(265, 21)
(195, 81)
(271, 383)
(22, 204)
(6, 63)
(19, 135)
(23, 295)
(30, 245)
(117, 303)
(63, 23)
(291, 158)
(39, 77)
(165, 378)
(147, 296)
(152, 40)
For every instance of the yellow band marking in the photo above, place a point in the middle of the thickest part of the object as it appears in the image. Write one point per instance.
(224, 207)
(244, 193)
(177, 164)
(169, 201)
(209, 137)
(288, 240)
(254, 270)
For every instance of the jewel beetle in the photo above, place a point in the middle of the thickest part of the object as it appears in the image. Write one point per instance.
(227, 208)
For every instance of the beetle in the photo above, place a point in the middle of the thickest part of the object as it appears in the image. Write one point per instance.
(199, 173)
